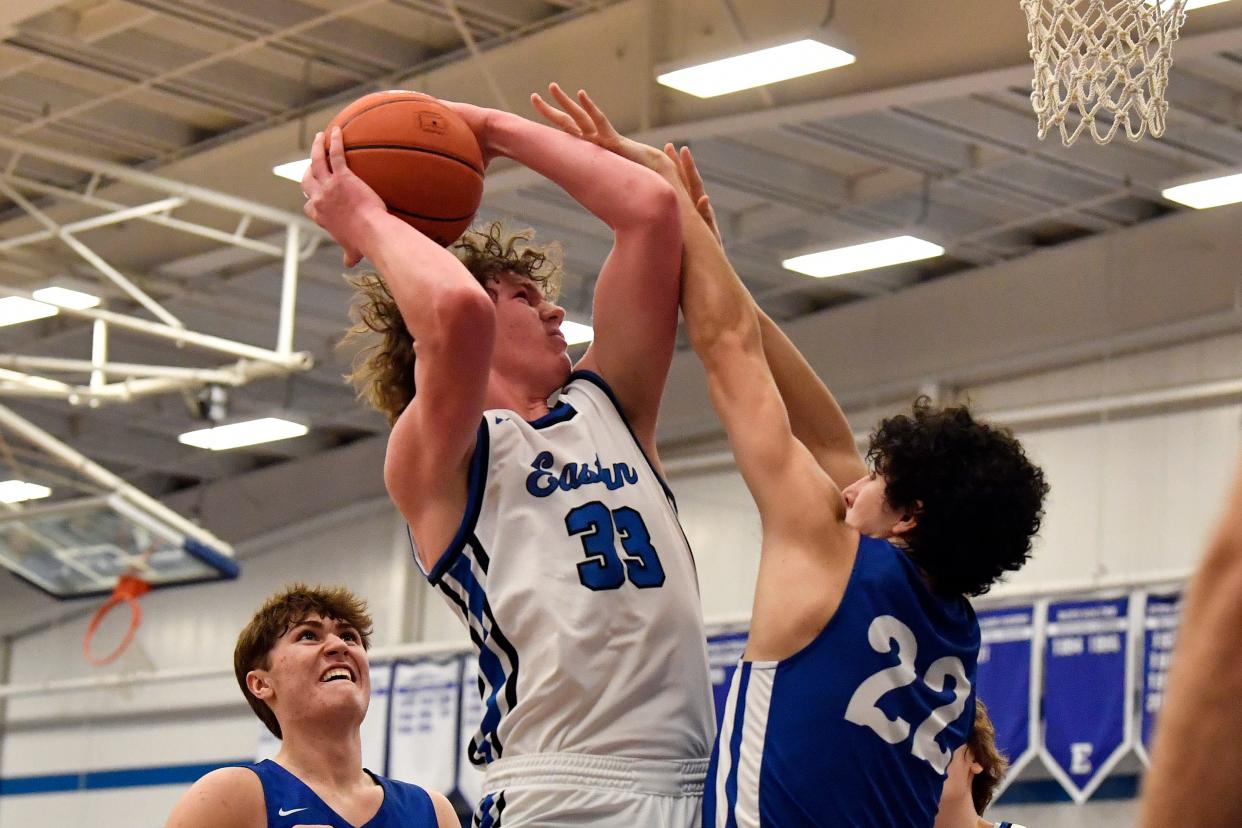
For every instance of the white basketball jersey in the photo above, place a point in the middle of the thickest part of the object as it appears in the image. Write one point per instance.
(579, 590)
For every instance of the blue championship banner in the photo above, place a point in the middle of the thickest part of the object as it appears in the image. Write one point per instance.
(1004, 679)
(1087, 700)
(469, 785)
(1159, 632)
(723, 652)
(423, 723)
(374, 731)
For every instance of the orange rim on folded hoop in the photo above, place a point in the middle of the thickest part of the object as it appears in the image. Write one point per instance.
(129, 588)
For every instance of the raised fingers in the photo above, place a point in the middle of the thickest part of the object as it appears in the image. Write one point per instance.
(318, 169)
(571, 107)
(596, 114)
(554, 116)
(694, 181)
(336, 152)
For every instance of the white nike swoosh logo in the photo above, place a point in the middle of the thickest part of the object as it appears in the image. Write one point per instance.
(283, 812)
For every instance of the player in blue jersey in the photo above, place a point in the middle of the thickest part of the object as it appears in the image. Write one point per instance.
(532, 488)
(976, 770)
(857, 684)
(302, 665)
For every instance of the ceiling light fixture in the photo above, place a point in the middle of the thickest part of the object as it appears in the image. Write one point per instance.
(17, 309)
(1191, 5)
(756, 68)
(247, 433)
(66, 297)
(292, 170)
(866, 256)
(1203, 193)
(18, 491)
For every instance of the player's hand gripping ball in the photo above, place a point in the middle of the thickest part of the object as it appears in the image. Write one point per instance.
(419, 156)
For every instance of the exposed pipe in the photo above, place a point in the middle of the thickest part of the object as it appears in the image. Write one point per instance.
(1027, 416)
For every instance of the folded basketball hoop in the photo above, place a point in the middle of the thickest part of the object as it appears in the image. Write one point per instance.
(1108, 60)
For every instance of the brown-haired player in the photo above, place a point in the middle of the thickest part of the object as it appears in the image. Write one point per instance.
(301, 663)
(532, 488)
(975, 771)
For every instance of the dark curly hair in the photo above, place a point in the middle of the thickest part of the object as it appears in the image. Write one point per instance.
(383, 370)
(977, 497)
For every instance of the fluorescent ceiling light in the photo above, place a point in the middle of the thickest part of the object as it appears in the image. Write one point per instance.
(778, 63)
(248, 433)
(294, 170)
(66, 297)
(866, 256)
(1208, 192)
(1190, 5)
(576, 333)
(16, 491)
(16, 309)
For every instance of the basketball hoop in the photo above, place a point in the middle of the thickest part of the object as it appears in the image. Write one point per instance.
(1107, 59)
(129, 588)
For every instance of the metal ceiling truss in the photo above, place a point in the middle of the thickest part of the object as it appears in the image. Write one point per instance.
(36, 376)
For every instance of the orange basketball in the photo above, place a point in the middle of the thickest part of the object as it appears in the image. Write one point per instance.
(419, 156)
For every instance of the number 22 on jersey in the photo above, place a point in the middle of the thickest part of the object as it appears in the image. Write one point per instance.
(885, 635)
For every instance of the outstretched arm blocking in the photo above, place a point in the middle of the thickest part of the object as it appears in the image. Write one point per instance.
(814, 414)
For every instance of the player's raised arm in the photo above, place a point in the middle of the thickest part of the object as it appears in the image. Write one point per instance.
(1196, 761)
(814, 414)
(450, 317)
(635, 305)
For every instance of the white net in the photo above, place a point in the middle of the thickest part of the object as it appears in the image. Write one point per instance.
(1107, 61)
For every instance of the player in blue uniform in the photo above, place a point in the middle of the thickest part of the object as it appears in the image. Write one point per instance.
(858, 679)
(976, 770)
(302, 665)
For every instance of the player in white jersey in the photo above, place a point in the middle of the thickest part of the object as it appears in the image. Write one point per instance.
(543, 521)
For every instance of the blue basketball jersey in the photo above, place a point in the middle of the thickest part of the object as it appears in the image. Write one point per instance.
(857, 728)
(290, 802)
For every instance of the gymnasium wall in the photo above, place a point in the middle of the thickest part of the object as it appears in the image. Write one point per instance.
(1135, 489)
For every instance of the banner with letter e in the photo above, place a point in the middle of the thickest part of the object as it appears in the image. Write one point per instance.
(1087, 701)
(423, 723)
(1005, 681)
(1161, 617)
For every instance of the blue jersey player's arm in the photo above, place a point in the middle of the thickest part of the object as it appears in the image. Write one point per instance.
(1196, 760)
(808, 551)
(816, 418)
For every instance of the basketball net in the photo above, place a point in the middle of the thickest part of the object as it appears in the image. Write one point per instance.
(1108, 60)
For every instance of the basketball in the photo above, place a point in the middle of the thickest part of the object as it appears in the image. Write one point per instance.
(419, 156)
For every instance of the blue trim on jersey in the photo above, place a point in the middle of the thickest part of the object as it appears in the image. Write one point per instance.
(735, 742)
(488, 638)
(562, 412)
(602, 384)
(476, 483)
